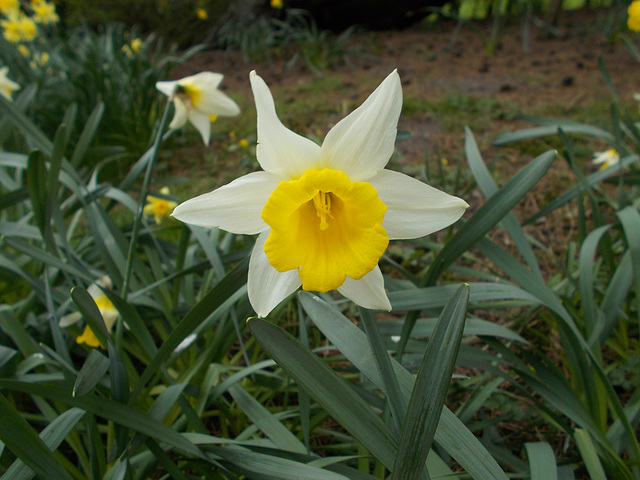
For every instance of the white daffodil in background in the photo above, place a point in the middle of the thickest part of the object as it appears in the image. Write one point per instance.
(160, 208)
(606, 158)
(107, 310)
(325, 214)
(7, 86)
(198, 99)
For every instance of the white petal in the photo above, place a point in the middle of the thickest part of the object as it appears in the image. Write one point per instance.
(203, 80)
(180, 115)
(215, 102)
(368, 292)
(166, 87)
(362, 143)
(414, 209)
(235, 207)
(279, 149)
(266, 286)
(202, 123)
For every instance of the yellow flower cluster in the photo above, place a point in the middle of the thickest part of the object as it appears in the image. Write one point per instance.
(20, 27)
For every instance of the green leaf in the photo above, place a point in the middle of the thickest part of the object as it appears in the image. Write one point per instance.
(542, 461)
(91, 313)
(261, 466)
(224, 289)
(546, 130)
(94, 368)
(592, 314)
(430, 389)
(32, 133)
(108, 409)
(488, 186)
(265, 421)
(589, 454)
(328, 388)
(52, 436)
(574, 192)
(37, 184)
(22, 440)
(87, 135)
(451, 433)
(489, 214)
(630, 220)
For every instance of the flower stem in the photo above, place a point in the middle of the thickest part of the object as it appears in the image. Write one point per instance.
(138, 219)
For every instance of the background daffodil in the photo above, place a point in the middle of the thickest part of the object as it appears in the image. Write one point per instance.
(196, 98)
(606, 158)
(325, 214)
(7, 86)
(160, 208)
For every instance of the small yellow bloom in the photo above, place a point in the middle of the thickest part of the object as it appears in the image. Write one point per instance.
(606, 158)
(19, 28)
(633, 22)
(243, 143)
(11, 29)
(133, 47)
(9, 6)
(39, 60)
(24, 51)
(276, 4)
(7, 86)
(202, 14)
(160, 208)
(44, 12)
(213, 118)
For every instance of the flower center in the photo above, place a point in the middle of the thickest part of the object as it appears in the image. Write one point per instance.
(189, 95)
(322, 202)
(326, 227)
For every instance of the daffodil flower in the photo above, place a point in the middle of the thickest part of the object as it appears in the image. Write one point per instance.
(606, 158)
(196, 99)
(160, 208)
(44, 12)
(633, 22)
(9, 6)
(325, 214)
(107, 310)
(7, 86)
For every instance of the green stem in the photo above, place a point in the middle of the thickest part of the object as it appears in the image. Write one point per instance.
(143, 198)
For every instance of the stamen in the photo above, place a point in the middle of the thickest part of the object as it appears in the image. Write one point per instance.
(322, 202)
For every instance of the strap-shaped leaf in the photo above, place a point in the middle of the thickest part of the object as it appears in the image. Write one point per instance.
(546, 130)
(328, 388)
(105, 408)
(451, 433)
(489, 214)
(265, 421)
(94, 368)
(52, 436)
(488, 186)
(542, 461)
(224, 289)
(23, 441)
(430, 389)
